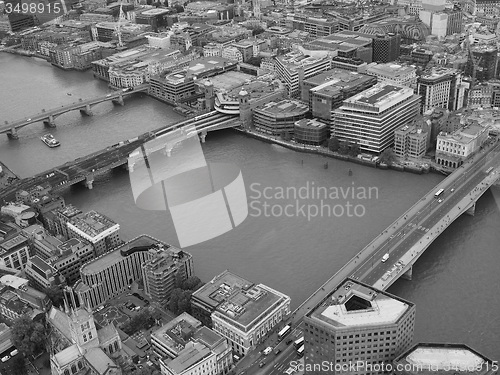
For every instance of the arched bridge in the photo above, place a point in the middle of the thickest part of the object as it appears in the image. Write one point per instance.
(48, 117)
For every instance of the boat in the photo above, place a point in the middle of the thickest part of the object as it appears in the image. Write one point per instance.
(49, 140)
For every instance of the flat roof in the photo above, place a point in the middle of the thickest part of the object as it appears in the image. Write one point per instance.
(108, 259)
(191, 354)
(13, 244)
(92, 223)
(391, 70)
(287, 107)
(352, 304)
(439, 358)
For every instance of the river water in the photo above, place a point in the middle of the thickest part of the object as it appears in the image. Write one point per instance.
(455, 283)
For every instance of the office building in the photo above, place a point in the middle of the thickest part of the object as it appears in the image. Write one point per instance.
(483, 63)
(326, 91)
(452, 149)
(42, 242)
(99, 230)
(356, 322)
(184, 346)
(371, 117)
(166, 265)
(313, 24)
(346, 44)
(394, 74)
(294, 67)
(41, 274)
(278, 118)
(29, 296)
(441, 87)
(14, 252)
(311, 132)
(429, 358)
(172, 87)
(111, 274)
(239, 310)
(69, 256)
(353, 65)
(411, 142)
(386, 47)
(58, 219)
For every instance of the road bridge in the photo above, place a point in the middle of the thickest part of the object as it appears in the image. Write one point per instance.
(48, 116)
(87, 168)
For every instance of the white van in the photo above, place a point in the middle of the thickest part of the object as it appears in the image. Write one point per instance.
(14, 352)
(385, 257)
(267, 350)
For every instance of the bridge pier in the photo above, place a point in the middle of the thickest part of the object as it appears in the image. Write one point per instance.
(203, 137)
(89, 182)
(408, 274)
(119, 100)
(50, 122)
(12, 134)
(86, 111)
(471, 210)
(168, 151)
(126, 167)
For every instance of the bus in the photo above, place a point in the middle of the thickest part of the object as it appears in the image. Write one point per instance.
(489, 170)
(438, 193)
(285, 331)
(298, 343)
(300, 351)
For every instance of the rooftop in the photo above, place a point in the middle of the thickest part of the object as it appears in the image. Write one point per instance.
(191, 354)
(391, 70)
(440, 358)
(466, 134)
(295, 60)
(204, 65)
(177, 333)
(310, 124)
(379, 97)
(69, 211)
(14, 244)
(286, 107)
(344, 41)
(337, 80)
(93, 224)
(108, 259)
(353, 304)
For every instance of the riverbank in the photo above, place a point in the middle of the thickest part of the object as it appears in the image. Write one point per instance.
(320, 150)
(22, 52)
(7, 177)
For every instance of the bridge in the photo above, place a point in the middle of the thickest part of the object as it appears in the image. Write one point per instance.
(87, 168)
(85, 106)
(404, 241)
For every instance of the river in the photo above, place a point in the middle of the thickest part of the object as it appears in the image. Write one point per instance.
(451, 281)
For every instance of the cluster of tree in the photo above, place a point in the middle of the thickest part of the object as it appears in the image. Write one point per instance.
(55, 294)
(143, 320)
(255, 61)
(180, 298)
(29, 336)
(387, 156)
(344, 148)
(19, 366)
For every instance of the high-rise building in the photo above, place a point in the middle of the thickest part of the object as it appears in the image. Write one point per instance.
(386, 47)
(14, 252)
(356, 323)
(172, 87)
(326, 91)
(185, 346)
(69, 257)
(429, 358)
(57, 220)
(166, 265)
(294, 67)
(99, 230)
(483, 63)
(371, 117)
(239, 310)
(111, 274)
(441, 87)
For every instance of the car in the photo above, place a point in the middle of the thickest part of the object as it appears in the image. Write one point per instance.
(14, 352)
(452, 190)
(440, 200)
(288, 342)
(267, 350)
(277, 351)
(107, 96)
(28, 120)
(262, 364)
(6, 358)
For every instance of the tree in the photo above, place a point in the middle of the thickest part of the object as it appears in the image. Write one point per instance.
(387, 156)
(19, 366)
(179, 8)
(191, 283)
(343, 148)
(333, 144)
(28, 336)
(354, 150)
(55, 294)
(257, 31)
(180, 301)
(179, 279)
